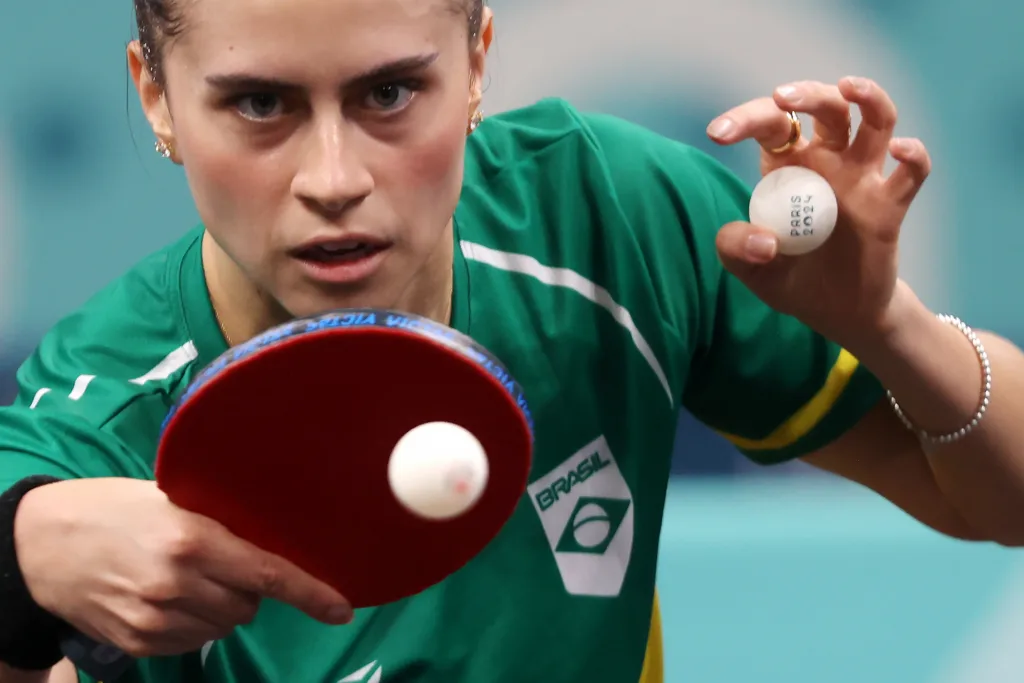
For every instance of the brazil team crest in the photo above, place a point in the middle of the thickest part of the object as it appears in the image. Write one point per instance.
(586, 509)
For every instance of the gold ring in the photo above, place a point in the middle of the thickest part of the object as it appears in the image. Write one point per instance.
(795, 133)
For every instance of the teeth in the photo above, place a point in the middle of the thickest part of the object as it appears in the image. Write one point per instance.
(342, 248)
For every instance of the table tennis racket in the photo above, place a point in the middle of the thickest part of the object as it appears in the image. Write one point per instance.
(286, 439)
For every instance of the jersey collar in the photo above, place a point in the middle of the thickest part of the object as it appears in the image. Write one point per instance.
(197, 308)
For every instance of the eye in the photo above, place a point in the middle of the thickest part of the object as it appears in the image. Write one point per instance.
(259, 107)
(389, 97)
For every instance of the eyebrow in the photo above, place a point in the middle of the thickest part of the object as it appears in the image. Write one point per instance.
(399, 67)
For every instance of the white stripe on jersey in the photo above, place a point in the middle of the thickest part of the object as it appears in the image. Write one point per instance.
(39, 394)
(174, 361)
(570, 279)
(81, 384)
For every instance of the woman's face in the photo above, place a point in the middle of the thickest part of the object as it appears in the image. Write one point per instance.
(323, 140)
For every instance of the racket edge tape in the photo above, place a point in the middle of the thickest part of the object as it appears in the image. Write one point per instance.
(107, 663)
(356, 318)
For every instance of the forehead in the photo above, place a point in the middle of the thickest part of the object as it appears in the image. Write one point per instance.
(303, 34)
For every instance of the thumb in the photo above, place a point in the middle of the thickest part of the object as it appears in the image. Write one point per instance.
(746, 249)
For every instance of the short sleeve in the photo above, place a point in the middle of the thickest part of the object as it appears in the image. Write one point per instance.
(772, 386)
(62, 445)
(70, 425)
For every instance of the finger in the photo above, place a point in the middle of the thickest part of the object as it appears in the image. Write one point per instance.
(148, 631)
(217, 604)
(915, 165)
(825, 104)
(742, 245)
(878, 119)
(238, 564)
(759, 120)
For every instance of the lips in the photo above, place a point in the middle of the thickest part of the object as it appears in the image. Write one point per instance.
(347, 261)
(339, 251)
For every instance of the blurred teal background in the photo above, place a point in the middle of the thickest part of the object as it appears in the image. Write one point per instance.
(780, 575)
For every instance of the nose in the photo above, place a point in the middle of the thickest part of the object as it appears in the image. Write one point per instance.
(332, 176)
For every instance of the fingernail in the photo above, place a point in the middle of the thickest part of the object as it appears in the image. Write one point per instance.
(721, 128)
(901, 146)
(790, 93)
(342, 614)
(761, 247)
(861, 85)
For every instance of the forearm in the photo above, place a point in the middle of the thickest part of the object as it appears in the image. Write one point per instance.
(62, 673)
(935, 374)
(8, 675)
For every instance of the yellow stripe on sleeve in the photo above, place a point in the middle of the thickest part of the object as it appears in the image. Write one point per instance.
(654, 664)
(814, 411)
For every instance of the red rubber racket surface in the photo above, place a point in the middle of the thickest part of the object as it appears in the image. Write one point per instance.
(286, 440)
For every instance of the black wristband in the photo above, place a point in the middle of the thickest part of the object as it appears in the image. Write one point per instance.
(29, 635)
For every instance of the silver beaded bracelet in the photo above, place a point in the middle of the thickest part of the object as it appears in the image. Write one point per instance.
(986, 395)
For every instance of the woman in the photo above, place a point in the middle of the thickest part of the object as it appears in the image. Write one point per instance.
(325, 142)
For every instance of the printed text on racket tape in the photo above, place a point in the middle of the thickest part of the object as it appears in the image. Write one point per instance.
(364, 318)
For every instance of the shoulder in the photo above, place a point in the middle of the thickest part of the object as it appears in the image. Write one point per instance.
(598, 195)
(562, 208)
(554, 127)
(551, 153)
(112, 348)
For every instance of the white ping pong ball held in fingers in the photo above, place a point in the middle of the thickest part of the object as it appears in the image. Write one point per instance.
(438, 470)
(798, 205)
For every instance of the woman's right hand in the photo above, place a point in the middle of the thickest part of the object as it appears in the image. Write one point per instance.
(121, 563)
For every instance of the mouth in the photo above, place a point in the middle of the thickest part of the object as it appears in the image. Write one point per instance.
(341, 262)
(338, 252)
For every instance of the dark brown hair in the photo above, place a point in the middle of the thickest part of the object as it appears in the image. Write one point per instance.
(160, 21)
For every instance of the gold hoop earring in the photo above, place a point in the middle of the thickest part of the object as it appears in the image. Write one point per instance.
(163, 149)
(475, 121)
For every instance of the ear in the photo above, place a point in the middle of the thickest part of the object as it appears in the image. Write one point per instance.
(478, 59)
(152, 98)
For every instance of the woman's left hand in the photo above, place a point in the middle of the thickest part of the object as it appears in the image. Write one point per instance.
(847, 287)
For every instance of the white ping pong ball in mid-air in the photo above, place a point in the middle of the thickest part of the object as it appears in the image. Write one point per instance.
(796, 204)
(438, 470)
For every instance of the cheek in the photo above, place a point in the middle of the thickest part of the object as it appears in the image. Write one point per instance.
(219, 180)
(434, 164)
(227, 182)
(234, 191)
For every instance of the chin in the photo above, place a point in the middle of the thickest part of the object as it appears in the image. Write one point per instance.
(310, 309)
(308, 305)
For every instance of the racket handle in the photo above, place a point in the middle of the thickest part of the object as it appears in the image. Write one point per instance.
(102, 662)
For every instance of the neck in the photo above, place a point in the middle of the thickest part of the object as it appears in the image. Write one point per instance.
(243, 311)
(429, 293)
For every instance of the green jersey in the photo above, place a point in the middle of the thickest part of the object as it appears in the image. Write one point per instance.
(585, 260)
